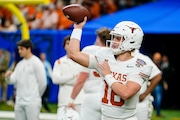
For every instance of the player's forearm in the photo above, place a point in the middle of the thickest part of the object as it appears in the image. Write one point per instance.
(153, 84)
(125, 91)
(76, 89)
(59, 79)
(75, 41)
(74, 46)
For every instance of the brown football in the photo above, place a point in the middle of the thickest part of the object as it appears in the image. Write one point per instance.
(76, 12)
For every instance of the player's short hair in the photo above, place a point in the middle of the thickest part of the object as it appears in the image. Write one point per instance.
(66, 38)
(25, 43)
(104, 34)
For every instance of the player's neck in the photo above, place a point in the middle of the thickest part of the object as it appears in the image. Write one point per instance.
(124, 56)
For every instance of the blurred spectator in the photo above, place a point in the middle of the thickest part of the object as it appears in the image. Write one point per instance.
(107, 6)
(123, 4)
(9, 26)
(2, 19)
(29, 77)
(159, 89)
(49, 18)
(31, 9)
(165, 70)
(93, 6)
(5, 14)
(36, 23)
(48, 69)
(63, 22)
(24, 11)
(4, 63)
(45, 17)
(168, 71)
(53, 1)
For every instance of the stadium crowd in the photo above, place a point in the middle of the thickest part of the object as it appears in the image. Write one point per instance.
(51, 16)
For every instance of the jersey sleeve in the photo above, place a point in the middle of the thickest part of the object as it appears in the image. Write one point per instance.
(91, 50)
(58, 77)
(93, 64)
(40, 76)
(155, 70)
(140, 75)
(14, 75)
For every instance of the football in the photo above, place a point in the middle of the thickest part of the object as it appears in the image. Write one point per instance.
(76, 12)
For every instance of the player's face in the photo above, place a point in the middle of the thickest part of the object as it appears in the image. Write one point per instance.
(42, 56)
(117, 40)
(67, 45)
(22, 51)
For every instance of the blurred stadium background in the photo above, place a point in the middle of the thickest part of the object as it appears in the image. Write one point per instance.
(159, 20)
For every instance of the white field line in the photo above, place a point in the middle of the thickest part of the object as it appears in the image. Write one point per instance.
(43, 116)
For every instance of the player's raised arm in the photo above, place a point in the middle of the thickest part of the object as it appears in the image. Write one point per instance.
(74, 46)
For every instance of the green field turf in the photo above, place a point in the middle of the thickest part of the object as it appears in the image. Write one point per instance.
(167, 114)
(4, 106)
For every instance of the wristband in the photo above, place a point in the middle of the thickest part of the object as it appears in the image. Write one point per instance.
(71, 100)
(109, 79)
(76, 33)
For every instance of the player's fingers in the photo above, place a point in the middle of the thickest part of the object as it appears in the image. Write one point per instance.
(85, 19)
(100, 66)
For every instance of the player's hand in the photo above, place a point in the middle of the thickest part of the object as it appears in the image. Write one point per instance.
(142, 97)
(8, 73)
(72, 105)
(165, 85)
(81, 24)
(105, 68)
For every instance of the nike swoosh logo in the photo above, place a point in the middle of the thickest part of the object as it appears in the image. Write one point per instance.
(130, 66)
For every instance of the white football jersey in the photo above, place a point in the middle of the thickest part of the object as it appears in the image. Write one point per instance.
(92, 89)
(65, 72)
(123, 71)
(155, 70)
(145, 107)
(94, 81)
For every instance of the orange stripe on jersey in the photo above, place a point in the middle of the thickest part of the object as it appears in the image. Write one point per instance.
(143, 75)
(96, 74)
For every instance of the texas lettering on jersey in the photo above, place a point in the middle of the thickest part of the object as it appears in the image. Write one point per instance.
(122, 78)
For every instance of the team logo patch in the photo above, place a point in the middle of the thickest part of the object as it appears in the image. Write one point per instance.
(140, 62)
